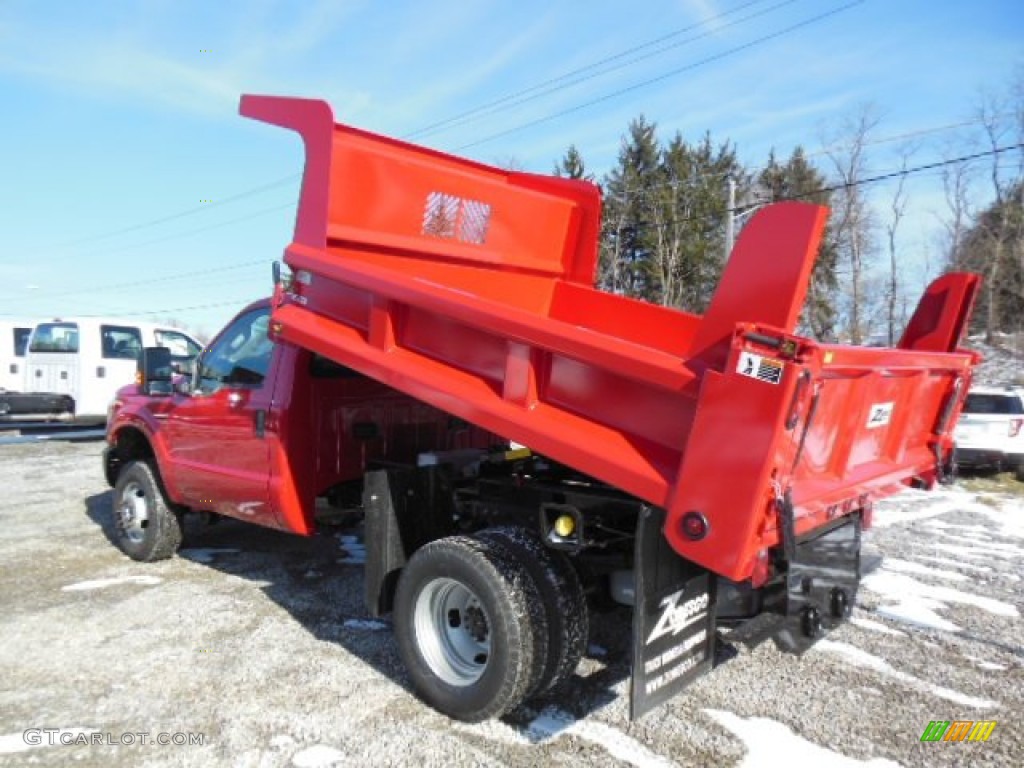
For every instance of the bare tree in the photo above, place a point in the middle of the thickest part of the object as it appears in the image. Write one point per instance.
(1002, 122)
(956, 182)
(853, 227)
(894, 304)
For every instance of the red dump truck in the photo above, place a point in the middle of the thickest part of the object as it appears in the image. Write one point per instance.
(714, 472)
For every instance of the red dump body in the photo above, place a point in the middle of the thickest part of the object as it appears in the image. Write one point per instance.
(471, 288)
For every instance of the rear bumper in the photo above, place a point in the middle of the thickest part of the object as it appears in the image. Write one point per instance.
(979, 458)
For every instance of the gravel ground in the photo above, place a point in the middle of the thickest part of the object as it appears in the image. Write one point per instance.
(259, 642)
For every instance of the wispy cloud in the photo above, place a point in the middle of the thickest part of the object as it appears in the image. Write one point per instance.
(705, 11)
(137, 61)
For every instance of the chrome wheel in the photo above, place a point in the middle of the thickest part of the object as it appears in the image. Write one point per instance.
(452, 631)
(133, 512)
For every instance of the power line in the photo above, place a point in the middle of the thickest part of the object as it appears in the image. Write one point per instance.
(887, 176)
(181, 214)
(583, 74)
(239, 303)
(147, 281)
(488, 106)
(665, 76)
(190, 232)
(173, 236)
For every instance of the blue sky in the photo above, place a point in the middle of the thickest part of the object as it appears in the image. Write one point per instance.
(120, 118)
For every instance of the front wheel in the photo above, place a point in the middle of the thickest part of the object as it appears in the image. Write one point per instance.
(464, 629)
(145, 526)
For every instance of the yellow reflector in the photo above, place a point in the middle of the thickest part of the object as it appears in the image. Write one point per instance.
(138, 378)
(564, 526)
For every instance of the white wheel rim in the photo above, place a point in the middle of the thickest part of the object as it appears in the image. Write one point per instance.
(452, 631)
(133, 512)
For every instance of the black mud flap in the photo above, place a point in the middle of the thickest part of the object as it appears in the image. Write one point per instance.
(673, 618)
(821, 585)
(405, 508)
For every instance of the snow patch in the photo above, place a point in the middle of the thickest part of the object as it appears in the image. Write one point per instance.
(911, 596)
(355, 551)
(770, 743)
(317, 756)
(875, 626)
(1009, 516)
(367, 624)
(957, 563)
(206, 554)
(921, 613)
(81, 586)
(986, 545)
(905, 566)
(553, 722)
(15, 742)
(956, 549)
(861, 658)
(982, 664)
(895, 513)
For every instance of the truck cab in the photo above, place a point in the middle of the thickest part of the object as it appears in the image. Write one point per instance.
(262, 428)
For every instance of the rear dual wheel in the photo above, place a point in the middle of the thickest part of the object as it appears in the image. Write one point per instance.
(476, 625)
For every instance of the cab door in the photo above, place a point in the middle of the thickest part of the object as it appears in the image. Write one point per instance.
(217, 434)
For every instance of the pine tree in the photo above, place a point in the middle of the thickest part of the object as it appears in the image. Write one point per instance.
(572, 166)
(626, 241)
(799, 180)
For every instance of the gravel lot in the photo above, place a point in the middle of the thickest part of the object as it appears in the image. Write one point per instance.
(259, 641)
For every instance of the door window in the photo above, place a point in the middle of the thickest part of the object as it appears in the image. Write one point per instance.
(120, 342)
(240, 356)
(181, 346)
(21, 341)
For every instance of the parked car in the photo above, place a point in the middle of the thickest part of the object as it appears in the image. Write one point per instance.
(990, 432)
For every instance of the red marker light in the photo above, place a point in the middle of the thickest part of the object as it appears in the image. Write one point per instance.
(695, 526)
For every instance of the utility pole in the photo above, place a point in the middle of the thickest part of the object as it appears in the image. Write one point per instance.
(730, 217)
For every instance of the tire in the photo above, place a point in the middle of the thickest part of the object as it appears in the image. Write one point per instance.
(950, 469)
(464, 630)
(562, 598)
(146, 528)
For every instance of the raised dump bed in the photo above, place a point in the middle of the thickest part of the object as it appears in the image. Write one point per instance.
(471, 288)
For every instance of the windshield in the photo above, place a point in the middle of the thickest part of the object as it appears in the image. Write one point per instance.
(999, 405)
(55, 337)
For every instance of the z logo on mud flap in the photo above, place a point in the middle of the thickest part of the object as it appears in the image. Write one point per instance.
(675, 618)
(880, 415)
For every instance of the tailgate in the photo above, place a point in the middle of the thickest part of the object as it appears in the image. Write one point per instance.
(876, 419)
(792, 435)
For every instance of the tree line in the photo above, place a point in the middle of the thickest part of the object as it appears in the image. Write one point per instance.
(670, 206)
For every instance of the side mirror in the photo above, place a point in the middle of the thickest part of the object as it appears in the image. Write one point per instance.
(280, 279)
(155, 373)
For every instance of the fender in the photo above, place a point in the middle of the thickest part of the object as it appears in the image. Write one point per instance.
(147, 421)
